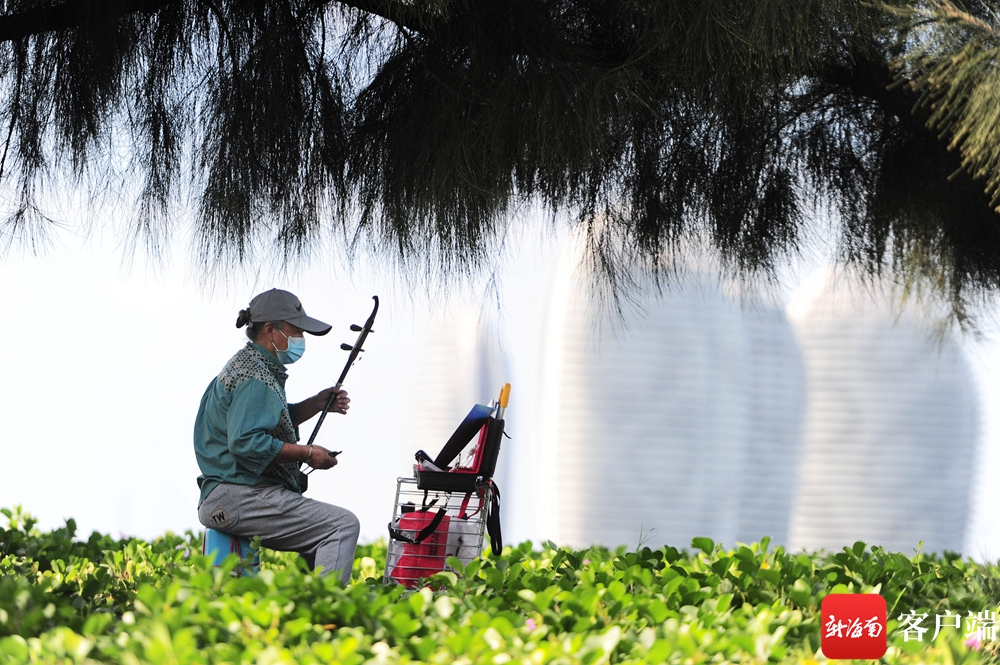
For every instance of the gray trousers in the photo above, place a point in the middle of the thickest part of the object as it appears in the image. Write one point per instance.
(323, 534)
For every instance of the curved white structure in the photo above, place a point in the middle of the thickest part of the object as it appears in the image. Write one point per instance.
(776, 390)
(890, 437)
(460, 364)
(684, 424)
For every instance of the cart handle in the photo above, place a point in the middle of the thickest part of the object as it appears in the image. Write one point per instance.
(504, 396)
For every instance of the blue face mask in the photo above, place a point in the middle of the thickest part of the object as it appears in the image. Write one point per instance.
(296, 347)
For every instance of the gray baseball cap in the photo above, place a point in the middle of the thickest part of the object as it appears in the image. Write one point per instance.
(278, 305)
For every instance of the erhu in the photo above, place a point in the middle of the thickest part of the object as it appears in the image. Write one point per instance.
(355, 350)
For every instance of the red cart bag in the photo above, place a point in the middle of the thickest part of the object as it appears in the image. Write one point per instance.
(425, 535)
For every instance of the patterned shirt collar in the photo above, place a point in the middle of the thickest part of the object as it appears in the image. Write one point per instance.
(273, 363)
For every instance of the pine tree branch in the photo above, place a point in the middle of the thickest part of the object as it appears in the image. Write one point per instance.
(867, 79)
(395, 12)
(871, 80)
(64, 16)
(69, 14)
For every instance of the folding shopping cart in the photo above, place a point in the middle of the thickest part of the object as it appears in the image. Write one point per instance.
(429, 526)
(445, 511)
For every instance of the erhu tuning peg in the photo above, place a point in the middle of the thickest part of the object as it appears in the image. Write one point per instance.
(346, 347)
(355, 327)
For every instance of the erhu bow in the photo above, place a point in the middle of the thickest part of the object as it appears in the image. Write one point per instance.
(356, 349)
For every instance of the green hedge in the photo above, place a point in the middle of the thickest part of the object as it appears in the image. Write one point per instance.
(130, 601)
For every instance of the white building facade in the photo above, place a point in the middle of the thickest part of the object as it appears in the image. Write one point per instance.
(836, 421)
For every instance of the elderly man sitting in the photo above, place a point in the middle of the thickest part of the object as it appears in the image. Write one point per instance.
(245, 439)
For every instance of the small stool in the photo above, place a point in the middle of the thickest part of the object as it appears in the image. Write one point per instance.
(218, 545)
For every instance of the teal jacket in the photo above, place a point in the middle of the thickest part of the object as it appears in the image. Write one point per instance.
(242, 423)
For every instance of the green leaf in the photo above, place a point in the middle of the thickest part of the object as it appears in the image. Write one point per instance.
(658, 609)
(704, 544)
(800, 593)
(417, 602)
(403, 625)
(14, 646)
(616, 590)
(769, 575)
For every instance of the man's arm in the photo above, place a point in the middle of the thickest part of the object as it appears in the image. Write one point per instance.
(308, 408)
(292, 452)
(254, 411)
(319, 457)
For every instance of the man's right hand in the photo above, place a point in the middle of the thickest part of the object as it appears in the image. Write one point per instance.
(322, 459)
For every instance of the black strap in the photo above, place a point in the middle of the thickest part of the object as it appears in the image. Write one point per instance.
(425, 533)
(493, 520)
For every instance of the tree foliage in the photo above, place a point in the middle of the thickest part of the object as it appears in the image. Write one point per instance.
(418, 129)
